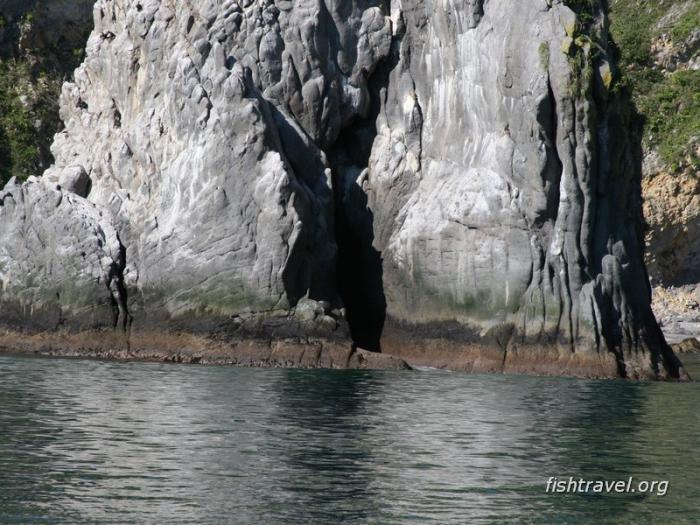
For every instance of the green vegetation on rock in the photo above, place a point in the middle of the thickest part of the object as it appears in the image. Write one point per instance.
(671, 107)
(28, 118)
(632, 23)
(668, 98)
(585, 9)
(545, 55)
(689, 22)
(582, 45)
(34, 63)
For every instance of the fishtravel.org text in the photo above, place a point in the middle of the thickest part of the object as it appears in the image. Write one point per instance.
(629, 486)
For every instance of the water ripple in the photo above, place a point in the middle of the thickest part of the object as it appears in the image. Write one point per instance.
(95, 442)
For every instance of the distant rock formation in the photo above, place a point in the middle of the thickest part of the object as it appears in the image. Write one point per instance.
(671, 186)
(457, 182)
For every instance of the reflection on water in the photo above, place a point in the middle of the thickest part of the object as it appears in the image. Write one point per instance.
(94, 442)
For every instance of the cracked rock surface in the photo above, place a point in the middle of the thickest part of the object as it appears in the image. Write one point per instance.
(232, 166)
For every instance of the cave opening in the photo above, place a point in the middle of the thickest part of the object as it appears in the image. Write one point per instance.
(359, 264)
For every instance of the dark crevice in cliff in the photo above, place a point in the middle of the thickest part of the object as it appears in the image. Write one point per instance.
(117, 287)
(359, 268)
(547, 118)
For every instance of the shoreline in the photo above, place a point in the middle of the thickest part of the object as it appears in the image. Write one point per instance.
(185, 348)
(400, 353)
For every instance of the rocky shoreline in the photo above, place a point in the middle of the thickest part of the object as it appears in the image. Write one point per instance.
(503, 350)
(198, 349)
(402, 352)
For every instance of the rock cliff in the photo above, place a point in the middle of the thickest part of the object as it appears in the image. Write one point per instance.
(449, 183)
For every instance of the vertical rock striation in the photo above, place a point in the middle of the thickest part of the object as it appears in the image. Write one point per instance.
(506, 196)
(456, 174)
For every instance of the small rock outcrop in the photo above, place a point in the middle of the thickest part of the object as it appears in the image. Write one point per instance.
(60, 260)
(457, 181)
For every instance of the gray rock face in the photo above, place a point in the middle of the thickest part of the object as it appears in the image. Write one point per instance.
(440, 159)
(502, 195)
(208, 121)
(60, 260)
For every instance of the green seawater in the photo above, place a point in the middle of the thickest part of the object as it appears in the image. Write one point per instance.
(95, 442)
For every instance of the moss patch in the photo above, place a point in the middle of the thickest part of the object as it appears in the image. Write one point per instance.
(545, 55)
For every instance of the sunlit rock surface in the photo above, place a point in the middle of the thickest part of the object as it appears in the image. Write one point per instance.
(60, 260)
